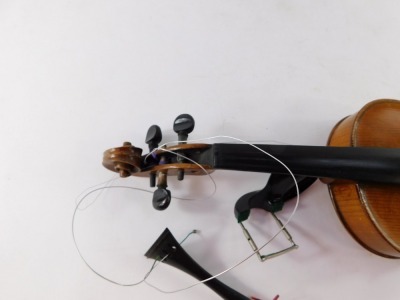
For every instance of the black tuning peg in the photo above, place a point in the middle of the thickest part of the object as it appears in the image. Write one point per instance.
(153, 137)
(161, 198)
(183, 125)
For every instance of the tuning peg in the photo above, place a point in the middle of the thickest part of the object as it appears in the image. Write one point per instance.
(183, 125)
(161, 198)
(153, 137)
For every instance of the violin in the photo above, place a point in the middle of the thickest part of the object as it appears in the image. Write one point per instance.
(360, 165)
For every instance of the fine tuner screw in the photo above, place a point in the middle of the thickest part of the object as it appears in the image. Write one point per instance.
(183, 125)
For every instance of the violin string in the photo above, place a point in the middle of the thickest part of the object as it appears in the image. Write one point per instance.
(155, 263)
(260, 248)
(252, 143)
(76, 243)
(104, 184)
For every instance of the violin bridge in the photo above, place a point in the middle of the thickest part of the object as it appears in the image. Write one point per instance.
(255, 248)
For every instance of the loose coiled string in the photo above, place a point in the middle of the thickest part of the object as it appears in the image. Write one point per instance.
(156, 262)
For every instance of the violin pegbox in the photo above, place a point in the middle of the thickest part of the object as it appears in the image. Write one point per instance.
(176, 160)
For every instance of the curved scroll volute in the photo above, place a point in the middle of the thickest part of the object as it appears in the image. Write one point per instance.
(370, 212)
(125, 160)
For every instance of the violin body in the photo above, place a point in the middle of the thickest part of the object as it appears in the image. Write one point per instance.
(370, 212)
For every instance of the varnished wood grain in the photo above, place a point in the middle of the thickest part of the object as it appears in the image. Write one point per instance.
(371, 213)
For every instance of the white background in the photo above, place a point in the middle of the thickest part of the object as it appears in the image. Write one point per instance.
(79, 77)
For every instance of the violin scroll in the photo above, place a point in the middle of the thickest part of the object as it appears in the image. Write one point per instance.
(125, 160)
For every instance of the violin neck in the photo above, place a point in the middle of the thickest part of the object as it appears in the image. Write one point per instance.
(361, 164)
